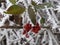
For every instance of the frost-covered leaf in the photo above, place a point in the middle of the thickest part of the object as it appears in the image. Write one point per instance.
(48, 4)
(15, 9)
(41, 6)
(42, 21)
(32, 15)
(13, 1)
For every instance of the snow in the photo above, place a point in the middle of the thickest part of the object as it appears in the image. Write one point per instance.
(58, 8)
(11, 23)
(51, 19)
(1, 11)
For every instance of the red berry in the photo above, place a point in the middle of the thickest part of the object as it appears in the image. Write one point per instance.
(36, 28)
(27, 27)
(24, 32)
(27, 36)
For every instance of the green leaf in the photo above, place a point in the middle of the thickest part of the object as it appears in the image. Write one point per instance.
(32, 15)
(13, 1)
(15, 9)
(42, 21)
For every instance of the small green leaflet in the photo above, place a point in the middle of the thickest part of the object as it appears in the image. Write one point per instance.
(32, 15)
(42, 21)
(15, 9)
(13, 1)
(33, 3)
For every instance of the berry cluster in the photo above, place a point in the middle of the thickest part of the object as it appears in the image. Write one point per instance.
(29, 27)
